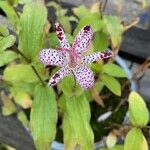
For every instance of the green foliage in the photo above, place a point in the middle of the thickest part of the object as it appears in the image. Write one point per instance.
(135, 140)
(43, 117)
(114, 28)
(6, 42)
(21, 73)
(114, 70)
(102, 25)
(112, 84)
(23, 118)
(3, 30)
(92, 19)
(138, 112)
(76, 127)
(21, 97)
(100, 41)
(31, 34)
(8, 107)
(10, 12)
(116, 147)
(22, 79)
(81, 11)
(72, 88)
(7, 57)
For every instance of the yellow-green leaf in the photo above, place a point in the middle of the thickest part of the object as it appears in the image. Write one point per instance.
(31, 34)
(21, 97)
(43, 117)
(72, 88)
(111, 140)
(76, 124)
(20, 72)
(116, 147)
(138, 112)
(22, 117)
(100, 41)
(8, 107)
(81, 11)
(114, 70)
(135, 140)
(6, 42)
(93, 19)
(65, 24)
(10, 12)
(112, 84)
(6, 57)
(3, 30)
(114, 28)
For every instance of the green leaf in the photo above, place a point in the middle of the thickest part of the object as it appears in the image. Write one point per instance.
(53, 4)
(111, 140)
(3, 30)
(54, 40)
(43, 117)
(32, 23)
(10, 12)
(21, 97)
(116, 147)
(97, 67)
(24, 1)
(114, 28)
(144, 3)
(27, 87)
(76, 124)
(92, 19)
(81, 11)
(70, 89)
(114, 70)
(6, 42)
(135, 140)
(21, 72)
(22, 117)
(65, 24)
(112, 84)
(8, 107)
(101, 41)
(138, 112)
(7, 57)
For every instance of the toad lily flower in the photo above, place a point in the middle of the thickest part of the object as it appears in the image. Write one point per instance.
(72, 59)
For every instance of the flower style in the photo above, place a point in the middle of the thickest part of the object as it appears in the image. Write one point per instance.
(72, 59)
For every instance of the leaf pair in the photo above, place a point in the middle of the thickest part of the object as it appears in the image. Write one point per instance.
(139, 117)
(110, 71)
(6, 41)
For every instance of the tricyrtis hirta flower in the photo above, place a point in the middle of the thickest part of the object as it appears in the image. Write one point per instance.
(72, 59)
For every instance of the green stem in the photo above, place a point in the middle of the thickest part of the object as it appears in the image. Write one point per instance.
(28, 61)
(35, 71)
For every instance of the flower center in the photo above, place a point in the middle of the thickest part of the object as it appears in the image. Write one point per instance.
(74, 59)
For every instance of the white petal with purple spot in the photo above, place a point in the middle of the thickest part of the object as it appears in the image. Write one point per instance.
(84, 76)
(83, 39)
(54, 57)
(61, 36)
(96, 56)
(59, 75)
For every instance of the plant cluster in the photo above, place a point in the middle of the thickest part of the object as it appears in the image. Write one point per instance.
(24, 78)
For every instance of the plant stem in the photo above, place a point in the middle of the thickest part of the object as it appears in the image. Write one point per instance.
(28, 61)
(35, 71)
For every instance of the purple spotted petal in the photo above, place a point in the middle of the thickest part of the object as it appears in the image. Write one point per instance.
(59, 75)
(84, 76)
(83, 39)
(61, 36)
(96, 56)
(53, 57)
